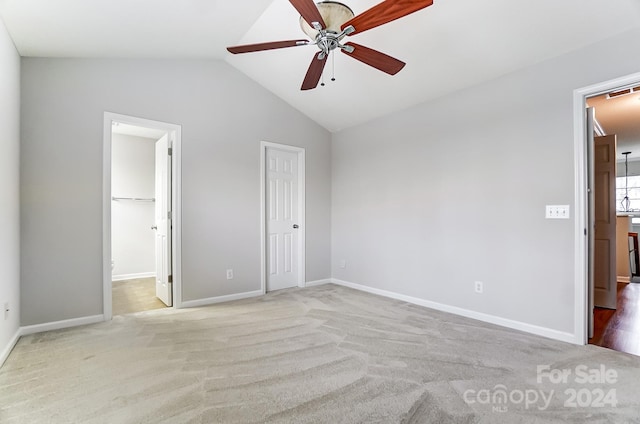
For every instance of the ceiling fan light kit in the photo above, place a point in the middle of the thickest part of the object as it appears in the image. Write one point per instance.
(334, 15)
(327, 23)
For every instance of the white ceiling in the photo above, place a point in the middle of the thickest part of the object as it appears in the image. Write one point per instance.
(125, 28)
(449, 46)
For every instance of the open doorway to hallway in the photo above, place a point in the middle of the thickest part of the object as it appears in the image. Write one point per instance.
(617, 117)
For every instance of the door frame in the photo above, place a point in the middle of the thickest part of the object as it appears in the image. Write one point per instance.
(264, 145)
(176, 202)
(582, 259)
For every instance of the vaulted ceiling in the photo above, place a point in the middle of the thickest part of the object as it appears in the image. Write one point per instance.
(448, 46)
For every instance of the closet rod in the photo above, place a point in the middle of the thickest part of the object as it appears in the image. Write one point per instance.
(136, 199)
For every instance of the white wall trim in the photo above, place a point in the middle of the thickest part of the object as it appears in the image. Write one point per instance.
(220, 299)
(581, 253)
(58, 325)
(175, 134)
(318, 282)
(176, 208)
(123, 277)
(264, 145)
(106, 217)
(492, 319)
(7, 350)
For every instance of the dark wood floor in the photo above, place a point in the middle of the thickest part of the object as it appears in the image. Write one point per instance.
(620, 329)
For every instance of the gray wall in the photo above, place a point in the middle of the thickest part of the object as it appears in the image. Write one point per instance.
(224, 116)
(132, 175)
(407, 221)
(9, 188)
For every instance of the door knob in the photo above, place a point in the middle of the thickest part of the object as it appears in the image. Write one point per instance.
(296, 226)
(154, 227)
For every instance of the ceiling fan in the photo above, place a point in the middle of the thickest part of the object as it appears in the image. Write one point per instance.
(328, 22)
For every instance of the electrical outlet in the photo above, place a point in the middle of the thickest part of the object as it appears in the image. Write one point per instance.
(229, 274)
(343, 264)
(479, 286)
(6, 310)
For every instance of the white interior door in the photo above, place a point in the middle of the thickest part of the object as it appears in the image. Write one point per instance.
(282, 254)
(604, 214)
(163, 221)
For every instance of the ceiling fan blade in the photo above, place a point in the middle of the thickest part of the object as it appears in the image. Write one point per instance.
(382, 13)
(247, 48)
(309, 12)
(314, 72)
(374, 58)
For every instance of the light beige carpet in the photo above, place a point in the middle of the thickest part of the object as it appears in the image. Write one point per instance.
(135, 296)
(320, 355)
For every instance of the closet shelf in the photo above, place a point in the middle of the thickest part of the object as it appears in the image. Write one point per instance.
(135, 199)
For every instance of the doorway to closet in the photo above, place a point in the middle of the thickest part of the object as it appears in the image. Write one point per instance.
(141, 260)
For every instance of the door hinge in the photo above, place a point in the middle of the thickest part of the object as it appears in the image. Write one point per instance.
(170, 152)
(169, 215)
(170, 278)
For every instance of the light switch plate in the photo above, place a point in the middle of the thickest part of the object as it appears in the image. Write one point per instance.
(557, 212)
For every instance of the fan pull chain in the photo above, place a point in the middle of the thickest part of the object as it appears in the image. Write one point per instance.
(333, 65)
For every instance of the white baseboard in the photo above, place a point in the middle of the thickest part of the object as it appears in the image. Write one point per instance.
(58, 325)
(220, 299)
(622, 279)
(7, 350)
(492, 319)
(318, 282)
(47, 326)
(122, 277)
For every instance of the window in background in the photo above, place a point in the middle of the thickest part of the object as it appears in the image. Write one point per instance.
(634, 193)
